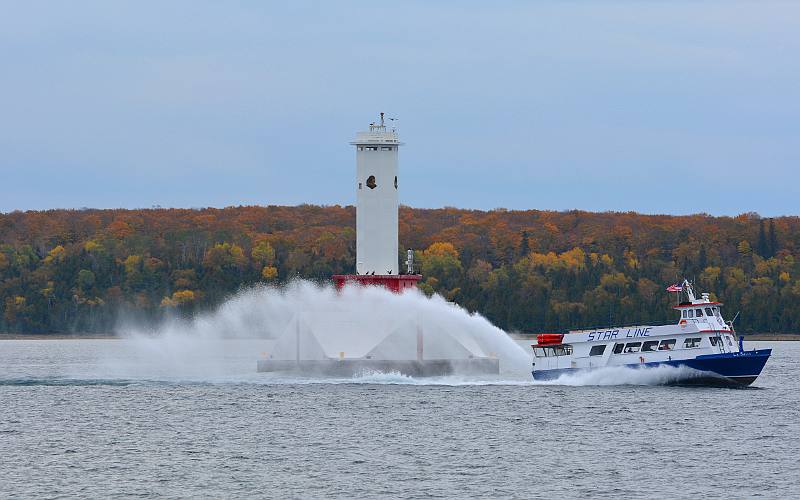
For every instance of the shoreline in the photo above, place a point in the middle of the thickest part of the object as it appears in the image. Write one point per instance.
(773, 336)
(58, 336)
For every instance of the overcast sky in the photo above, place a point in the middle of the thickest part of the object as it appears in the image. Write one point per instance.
(656, 107)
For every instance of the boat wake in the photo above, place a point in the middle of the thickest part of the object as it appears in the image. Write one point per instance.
(397, 378)
(272, 379)
(623, 375)
(125, 376)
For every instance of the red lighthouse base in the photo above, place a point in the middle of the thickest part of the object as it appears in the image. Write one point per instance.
(395, 282)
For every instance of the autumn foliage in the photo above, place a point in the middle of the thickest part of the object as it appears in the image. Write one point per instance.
(69, 270)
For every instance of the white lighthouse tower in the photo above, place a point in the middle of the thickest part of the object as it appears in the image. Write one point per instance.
(377, 200)
(331, 338)
(377, 204)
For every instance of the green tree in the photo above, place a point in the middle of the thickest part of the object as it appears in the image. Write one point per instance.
(263, 254)
(773, 239)
(86, 279)
(763, 246)
(440, 262)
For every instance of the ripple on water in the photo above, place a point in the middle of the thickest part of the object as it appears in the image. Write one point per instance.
(83, 433)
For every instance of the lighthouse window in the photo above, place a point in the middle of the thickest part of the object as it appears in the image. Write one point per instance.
(597, 350)
(359, 185)
(395, 182)
(385, 148)
(650, 346)
(632, 347)
(371, 182)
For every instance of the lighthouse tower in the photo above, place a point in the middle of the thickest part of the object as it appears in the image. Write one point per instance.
(377, 200)
(334, 340)
(377, 204)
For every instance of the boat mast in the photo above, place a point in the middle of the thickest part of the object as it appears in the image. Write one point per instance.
(689, 291)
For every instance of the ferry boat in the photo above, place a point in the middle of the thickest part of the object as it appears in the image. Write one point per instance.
(701, 341)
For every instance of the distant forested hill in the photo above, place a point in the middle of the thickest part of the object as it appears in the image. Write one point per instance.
(70, 270)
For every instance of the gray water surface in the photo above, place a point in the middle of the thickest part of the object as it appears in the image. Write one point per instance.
(92, 419)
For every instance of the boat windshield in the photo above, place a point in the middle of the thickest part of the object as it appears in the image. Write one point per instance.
(552, 350)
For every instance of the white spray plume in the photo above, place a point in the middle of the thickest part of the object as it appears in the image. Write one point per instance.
(223, 345)
(226, 342)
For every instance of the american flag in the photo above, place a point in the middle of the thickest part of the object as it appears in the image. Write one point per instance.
(674, 288)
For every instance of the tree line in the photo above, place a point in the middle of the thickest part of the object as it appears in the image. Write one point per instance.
(82, 270)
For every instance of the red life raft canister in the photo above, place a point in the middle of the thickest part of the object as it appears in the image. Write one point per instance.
(549, 338)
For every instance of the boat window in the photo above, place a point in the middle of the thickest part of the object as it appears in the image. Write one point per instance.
(729, 341)
(714, 340)
(540, 352)
(716, 312)
(597, 350)
(698, 313)
(667, 345)
(618, 348)
(632, 347)
(562, 350)
(650, 345)
(691, 313)
(691, 343)
(683, 313)
(708, 312)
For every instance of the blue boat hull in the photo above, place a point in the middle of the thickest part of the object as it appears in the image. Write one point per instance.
(732, 368)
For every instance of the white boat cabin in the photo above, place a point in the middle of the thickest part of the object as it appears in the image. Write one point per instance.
(700, 330)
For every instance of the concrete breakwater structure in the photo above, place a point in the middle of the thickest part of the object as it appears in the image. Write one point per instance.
(343, 341)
